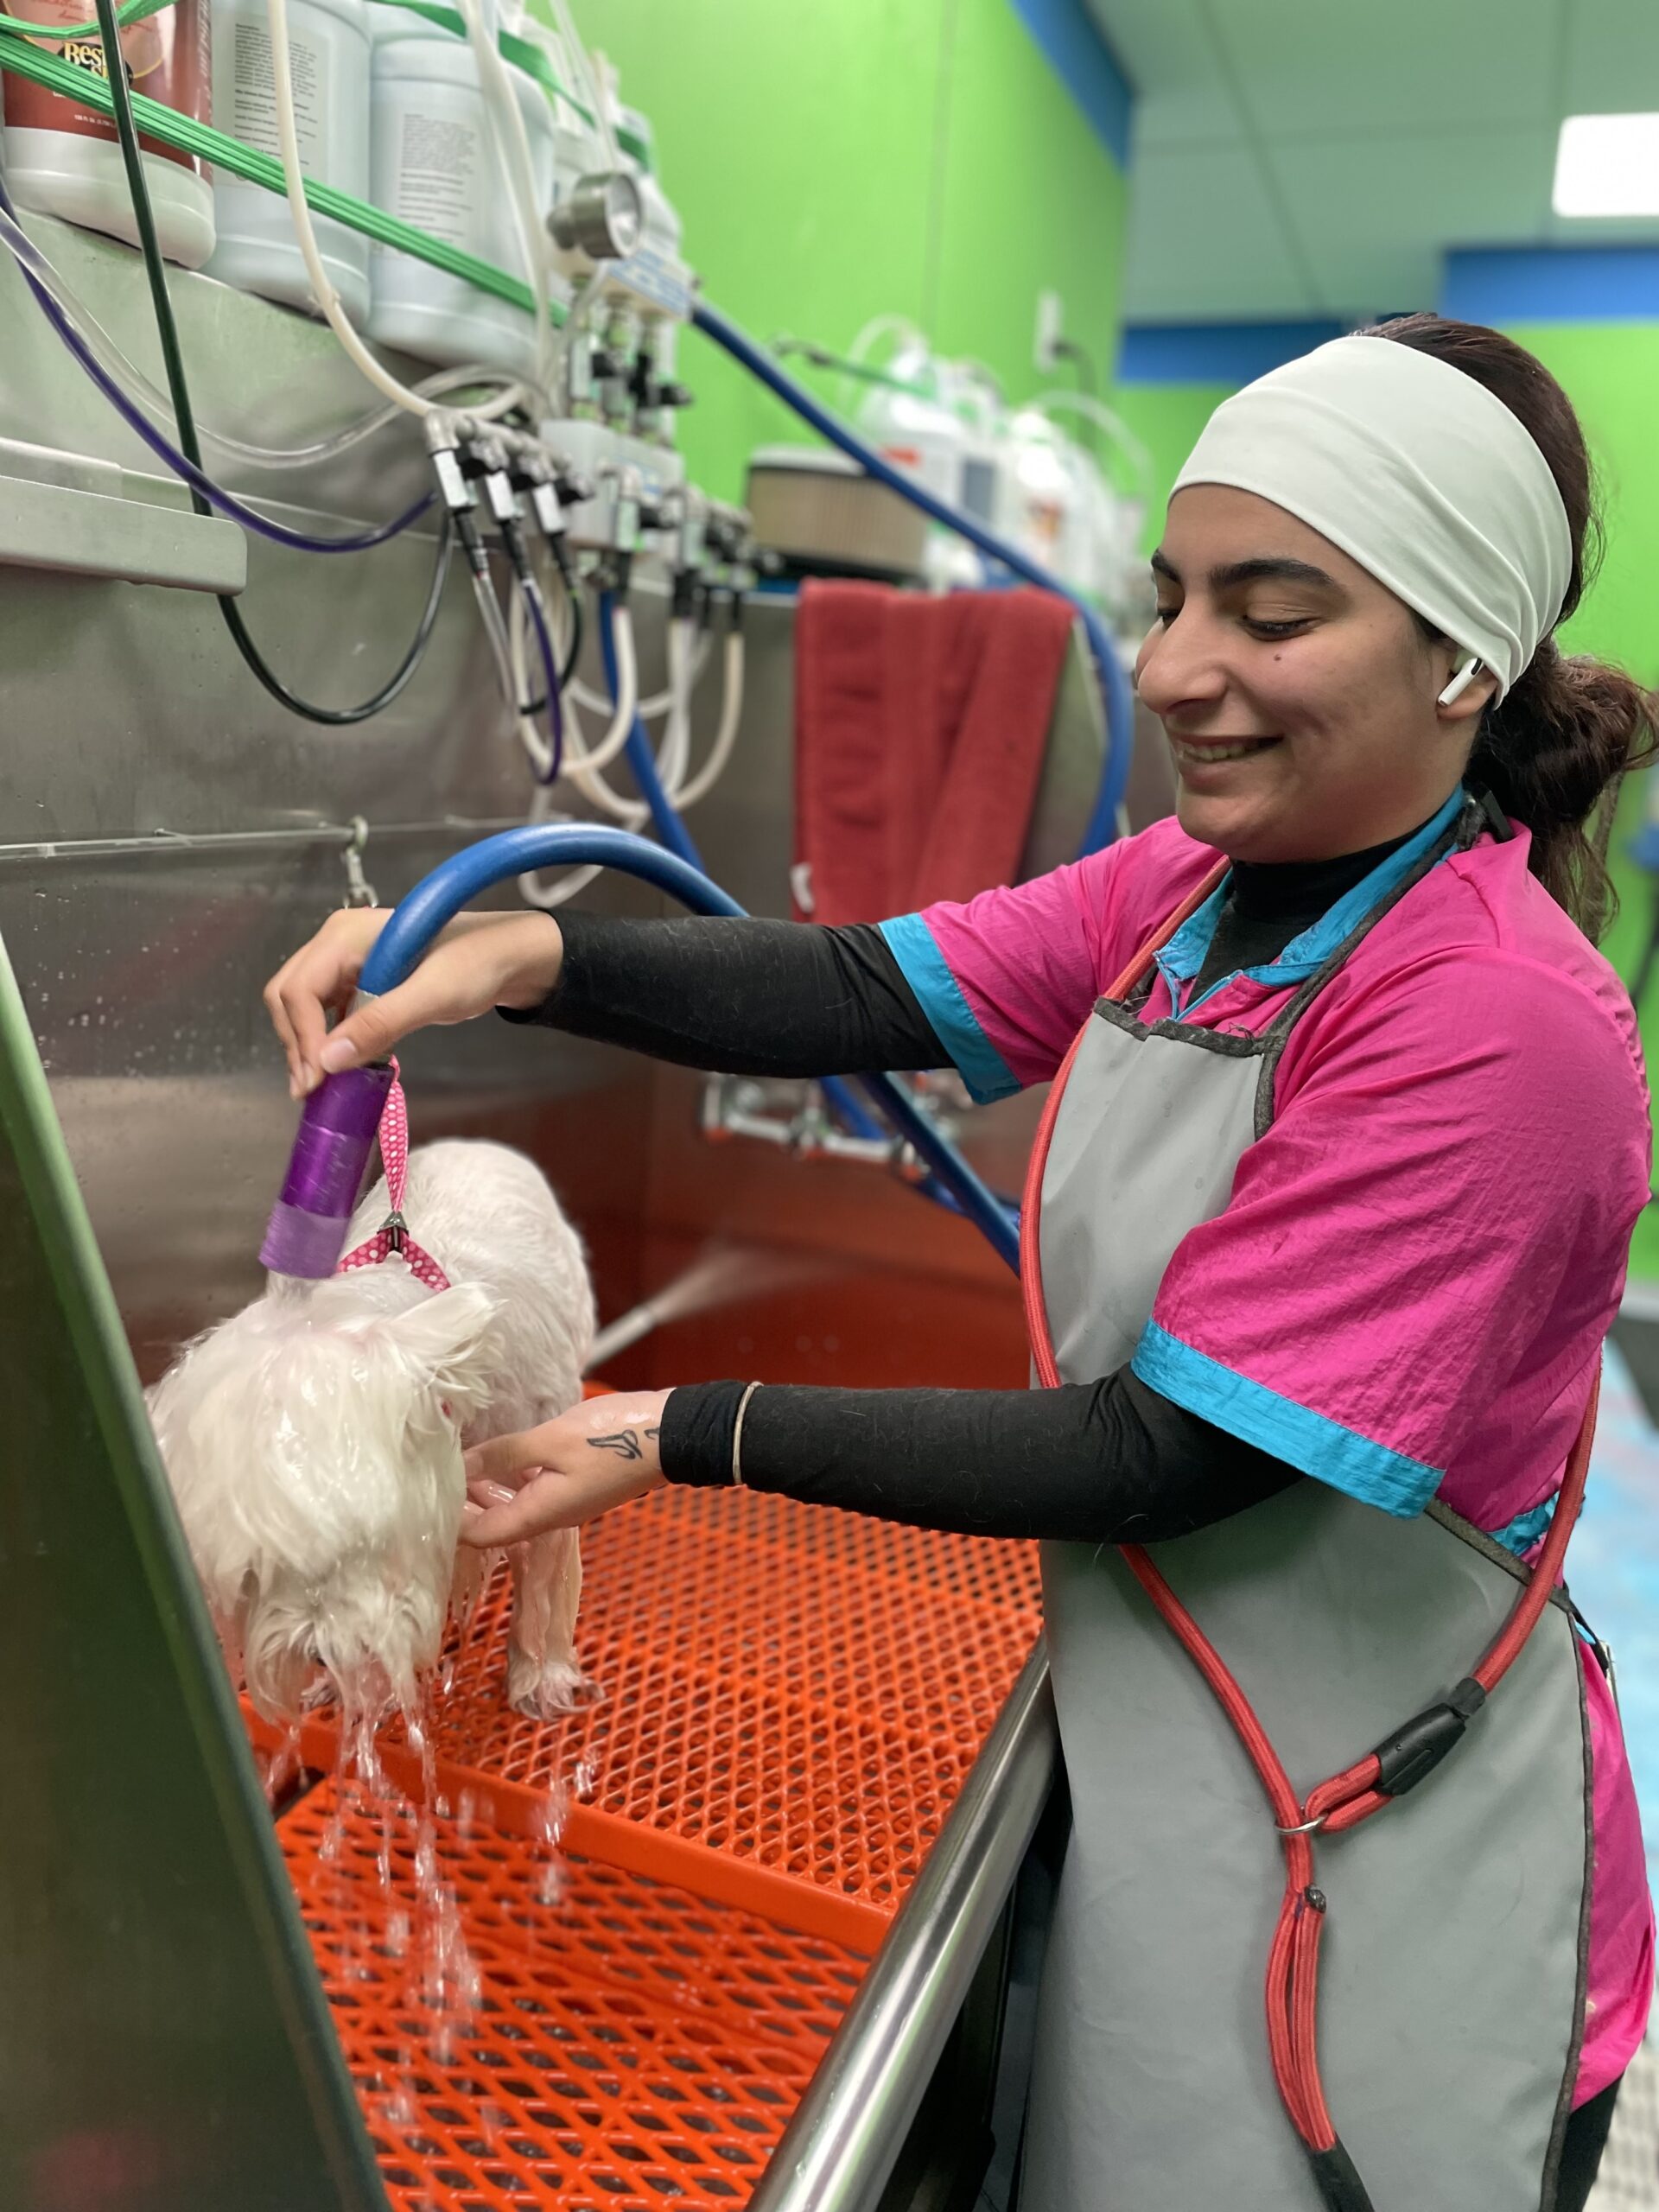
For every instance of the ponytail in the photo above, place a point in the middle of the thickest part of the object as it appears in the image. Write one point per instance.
(1554, 752)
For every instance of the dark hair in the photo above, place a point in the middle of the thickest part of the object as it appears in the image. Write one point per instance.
(1554, 752)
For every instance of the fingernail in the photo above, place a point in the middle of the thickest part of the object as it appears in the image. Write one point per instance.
(339, 1052)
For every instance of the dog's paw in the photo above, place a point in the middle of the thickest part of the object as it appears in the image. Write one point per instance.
(546, 1690)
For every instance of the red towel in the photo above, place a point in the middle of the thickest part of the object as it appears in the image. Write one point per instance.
(920, 728)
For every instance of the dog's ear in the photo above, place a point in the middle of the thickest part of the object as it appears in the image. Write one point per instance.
(448, 1338)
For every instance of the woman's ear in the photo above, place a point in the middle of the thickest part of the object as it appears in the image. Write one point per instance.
(1469, 688)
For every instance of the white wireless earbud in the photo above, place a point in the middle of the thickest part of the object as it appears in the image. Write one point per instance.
(1461, 682)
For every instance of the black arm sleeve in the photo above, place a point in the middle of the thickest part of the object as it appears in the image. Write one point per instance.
(1107, 1462)
(750, 997)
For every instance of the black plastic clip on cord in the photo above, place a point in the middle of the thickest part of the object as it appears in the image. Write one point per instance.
(485, 459)
(550, 488)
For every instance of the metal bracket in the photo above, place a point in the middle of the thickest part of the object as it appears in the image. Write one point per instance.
(360, 892)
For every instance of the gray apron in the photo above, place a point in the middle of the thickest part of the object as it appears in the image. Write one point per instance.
(1452, 1979)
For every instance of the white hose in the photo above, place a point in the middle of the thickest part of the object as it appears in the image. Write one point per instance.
(675, 757)
(578, 766)
(26, 253)
(327, 300)
(413, 401)
(518, 168)
(583, 765)
(598, 99)
(489, 608)
(731, 713)
(649, 709)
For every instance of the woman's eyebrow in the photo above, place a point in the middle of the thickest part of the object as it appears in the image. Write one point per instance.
(1274, 568)
(1279, 571)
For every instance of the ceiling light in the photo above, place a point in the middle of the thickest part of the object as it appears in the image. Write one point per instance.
(1608, 165)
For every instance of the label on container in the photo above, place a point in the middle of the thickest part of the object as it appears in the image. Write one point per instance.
(168, 58)
(253, 93)
(438, 180)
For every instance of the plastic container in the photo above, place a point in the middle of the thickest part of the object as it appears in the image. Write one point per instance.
(63, 159)
(433, 161)
(328, 56)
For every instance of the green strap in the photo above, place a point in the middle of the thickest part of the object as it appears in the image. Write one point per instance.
(202, 140)
(521, 52)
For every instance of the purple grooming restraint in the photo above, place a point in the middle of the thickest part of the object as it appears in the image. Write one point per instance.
(307, 1231)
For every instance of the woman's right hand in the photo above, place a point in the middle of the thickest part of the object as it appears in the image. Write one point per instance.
(480, 961)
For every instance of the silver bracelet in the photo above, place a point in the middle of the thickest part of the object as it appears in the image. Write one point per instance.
(737, 1436)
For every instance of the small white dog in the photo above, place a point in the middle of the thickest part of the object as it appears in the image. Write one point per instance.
(314, 1442)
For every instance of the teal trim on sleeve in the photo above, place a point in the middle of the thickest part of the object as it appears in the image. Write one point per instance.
(981, 1066)
(1256, 1415)
(1520, 1534)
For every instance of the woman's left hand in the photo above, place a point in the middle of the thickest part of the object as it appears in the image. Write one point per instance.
(599, 1454)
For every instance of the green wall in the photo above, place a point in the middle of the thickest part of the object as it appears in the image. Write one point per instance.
(1166, 418)
(1610, 371)
(861, 157)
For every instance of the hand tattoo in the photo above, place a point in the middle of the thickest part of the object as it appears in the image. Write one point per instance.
(625, 1443)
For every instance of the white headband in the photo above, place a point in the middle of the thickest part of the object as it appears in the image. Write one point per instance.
(1416, 472)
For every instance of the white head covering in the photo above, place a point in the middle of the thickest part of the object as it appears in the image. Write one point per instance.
(1419, 474)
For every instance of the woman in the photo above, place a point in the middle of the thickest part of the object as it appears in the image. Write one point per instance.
(1334, 1222)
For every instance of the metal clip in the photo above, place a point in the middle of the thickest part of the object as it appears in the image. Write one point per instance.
(360, 892)
(395, 1230)
(1307, 1827)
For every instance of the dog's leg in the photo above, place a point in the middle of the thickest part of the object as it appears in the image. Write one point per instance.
(544, 1678)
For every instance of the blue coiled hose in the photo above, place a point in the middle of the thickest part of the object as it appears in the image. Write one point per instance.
(1114, 681)
(438, 897)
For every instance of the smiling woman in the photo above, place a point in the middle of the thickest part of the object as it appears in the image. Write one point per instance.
(1303, 627)
(1310, 1334)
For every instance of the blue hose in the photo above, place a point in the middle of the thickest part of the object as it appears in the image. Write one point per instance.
(438, 897)
(1114, 680)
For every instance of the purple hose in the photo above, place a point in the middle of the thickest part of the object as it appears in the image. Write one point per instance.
(140, 425)
(307, 1231)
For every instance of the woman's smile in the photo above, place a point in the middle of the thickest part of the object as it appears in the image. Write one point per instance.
(1199, 758)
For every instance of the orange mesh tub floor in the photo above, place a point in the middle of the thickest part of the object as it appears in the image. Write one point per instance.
(798, 1689)
(791, 1698)
(629, 2046)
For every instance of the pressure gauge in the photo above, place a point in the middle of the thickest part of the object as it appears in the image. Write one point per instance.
(603, 217)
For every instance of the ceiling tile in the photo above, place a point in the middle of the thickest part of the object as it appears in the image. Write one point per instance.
(1161, 45)
(1201, 113)
(1205, 241)
(1411, 65)
(1181, 91)
(1612, 61)
(1373, 215)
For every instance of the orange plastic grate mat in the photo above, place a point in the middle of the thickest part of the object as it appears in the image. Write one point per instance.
(799, 1689)
(631, 2046)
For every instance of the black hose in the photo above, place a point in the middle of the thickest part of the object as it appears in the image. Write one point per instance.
(184, 413)
(573, 597)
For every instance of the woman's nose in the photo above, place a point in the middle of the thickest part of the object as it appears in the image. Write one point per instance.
(1180, 667)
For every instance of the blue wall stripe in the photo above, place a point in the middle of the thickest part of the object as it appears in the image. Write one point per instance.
(1086, 66)
(1573, 283)
(1215, 353)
